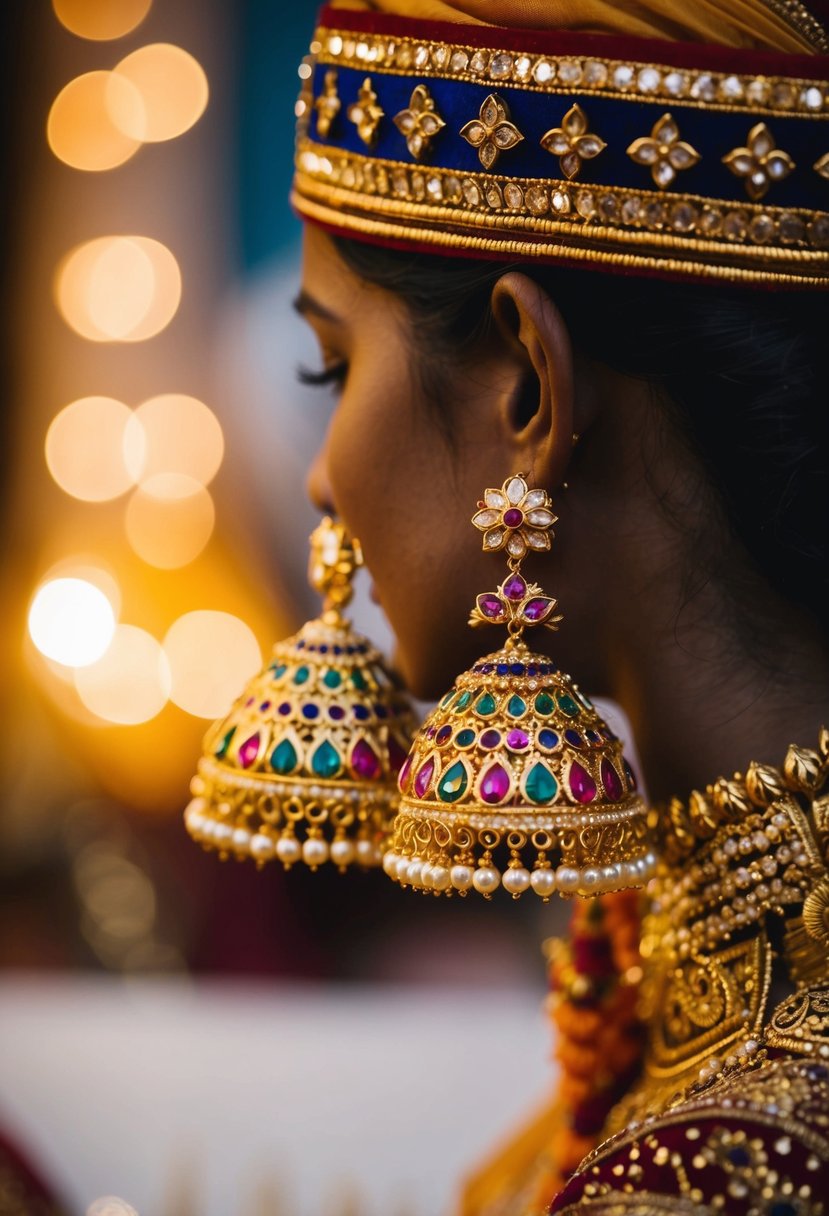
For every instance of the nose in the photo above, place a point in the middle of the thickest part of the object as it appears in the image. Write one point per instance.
(317, 484)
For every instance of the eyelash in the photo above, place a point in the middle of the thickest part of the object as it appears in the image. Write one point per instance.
(334, 374)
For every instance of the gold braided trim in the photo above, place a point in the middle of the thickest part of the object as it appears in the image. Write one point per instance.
(631, 80)
(802, 21)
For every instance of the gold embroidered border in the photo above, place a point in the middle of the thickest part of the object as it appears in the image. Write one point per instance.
(554, 74)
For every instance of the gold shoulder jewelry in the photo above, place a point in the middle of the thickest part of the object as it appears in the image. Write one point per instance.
(515, 779)
(304, 766)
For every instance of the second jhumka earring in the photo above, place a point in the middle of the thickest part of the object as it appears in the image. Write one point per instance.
(304, 766)
(515, 779)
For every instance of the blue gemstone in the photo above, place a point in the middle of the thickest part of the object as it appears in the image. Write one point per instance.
(502, 669)
(323, 650)
(574, 738)
(516, 669)
(284, 708)
(336, 713)
(300, 645)
(338, 650)
(265, 705)
(486, 669)
(310, 712)
(548, 739)
(532, 670)
(381, 711)
(360, 713)
(278, 670)
(739, 1156)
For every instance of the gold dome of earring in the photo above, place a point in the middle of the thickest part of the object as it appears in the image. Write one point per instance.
(304, 766)
(515, 780)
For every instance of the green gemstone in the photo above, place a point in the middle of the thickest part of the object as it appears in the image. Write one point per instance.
(221, 750)
(301, 675)
(586, 702)
(325, 761)
(332, 679)
(465, 738)
(486, 705)
(541, 785)
(568, 706)
(358, 680)
(453, 783)
(544, 704)
(462, 702)
(278, 670)
(516, 706)
(283, 757)
(446, 700)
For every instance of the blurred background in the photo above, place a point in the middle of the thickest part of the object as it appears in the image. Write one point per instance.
(194, 1037)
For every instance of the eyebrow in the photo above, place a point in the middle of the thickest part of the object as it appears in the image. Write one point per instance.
(306, 305)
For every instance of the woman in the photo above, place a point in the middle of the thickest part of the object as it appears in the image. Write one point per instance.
(591, 244)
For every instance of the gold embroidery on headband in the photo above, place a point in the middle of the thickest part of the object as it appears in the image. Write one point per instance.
(821, 166)
(420, 123)
(760, 163)
(327, 104)
(663, 152)
(572, 142)
(365, 113)
(491, 132)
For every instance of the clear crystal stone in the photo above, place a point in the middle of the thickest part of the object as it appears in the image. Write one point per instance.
(558, 144)
(513, 195)
(523, 67)
(710, 221)
(623, 77)
(537, 200)
(535, 498)
(452, 190)
(704, 87)
(540, 517)
(595, 72)
(735, 225)
(631, 209)
(440, 54)
(504, 136)
(459, 61)
(537, 540)
(664, 173)
(516, 490)
(335, 44)
(589, 145)
(494, 198)
(471, 192)
(819, 231)
(812, 98)
(674, 83)
(477, 63)
(500, 66)
(400, 181)
(421, 56)
(543, 71)
(516, 546)
(609, 207)
(561, 201)
(586, 204)
(792, 228)
(742, 164)
(434, 187)
(648, 80)
(680, 157)
(655, 214)
(757, 90)
(362, 50)
(493, 539)
(496, 499)
(683, 216)
(403, 55)
(777, 167)
(731, 87)
(418, 185)
(569, 72)
(783, 95)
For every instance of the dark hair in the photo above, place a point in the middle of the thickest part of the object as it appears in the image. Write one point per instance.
(744, 371)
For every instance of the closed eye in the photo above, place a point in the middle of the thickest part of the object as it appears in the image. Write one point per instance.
(335, 373)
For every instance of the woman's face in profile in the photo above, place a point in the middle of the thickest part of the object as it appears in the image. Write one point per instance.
(402, 471)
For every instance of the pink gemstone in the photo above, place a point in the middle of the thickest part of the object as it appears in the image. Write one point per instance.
(513, 518)
(611, 781)
(515, 588)
(404, 774)
(517, 740)
(537, 609)
(424, 776)
(491, 606)
(365, 761)
(249, 750)
(582, 785)
(495, 784)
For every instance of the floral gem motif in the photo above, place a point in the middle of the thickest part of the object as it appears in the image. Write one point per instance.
(515, 518)
(821, 166)
(760, 163)
(365, 112)
(515, 602)
(491, 132)
(328, 104)
(572, 142)
(419, 123)
(663, 152)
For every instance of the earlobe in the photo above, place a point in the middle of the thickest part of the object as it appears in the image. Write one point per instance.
(537, 409)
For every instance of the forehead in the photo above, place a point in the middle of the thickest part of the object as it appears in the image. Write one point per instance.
(332, 292)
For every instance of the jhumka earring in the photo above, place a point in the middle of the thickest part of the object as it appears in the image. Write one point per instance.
(304, 766)
(515, 779)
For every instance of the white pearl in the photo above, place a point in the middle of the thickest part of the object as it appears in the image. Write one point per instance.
(591, 878)
(426, 875)
(516, 880)
(288, 850)
(461, 877)
(543, 882)
(567, 879)
(193, 810)
(367, 853)
(314, 851)
(439, 878)
(208, 828)
(630, 872)
(486, 880)
(390, 863)
(611, 877)
(223, 834)
(403, 864)
(261, 847)
(342, 852)
(241, 840)
(413, 873)
(194, 823)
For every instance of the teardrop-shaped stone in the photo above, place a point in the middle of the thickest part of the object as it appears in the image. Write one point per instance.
(568, 706)
(515, 588)
(486, 705)
(453, 783)
(403, 776)
(249, 750)
(358, 680)
(397, 754)
(283, 757)
(365, 761)
(462, 702)
(516, 706)
(582, 785)
(541, 786)
(221, 750)
(424, 776)
(332, 678)
(611, 781)
(544, 704)
(326, 760)
(495, 784)
(301, 675)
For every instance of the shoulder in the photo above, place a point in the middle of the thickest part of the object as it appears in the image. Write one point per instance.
(755, 1141)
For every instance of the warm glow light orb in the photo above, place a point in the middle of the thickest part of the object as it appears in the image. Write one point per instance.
(173, 433)
(118, 288)
(173, 88)
(211, 656)
(81, 131)
(71, 621)
(101, 20)
(130, 683)
(85, 449)
(169, 520)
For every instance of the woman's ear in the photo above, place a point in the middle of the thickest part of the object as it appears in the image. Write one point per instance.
(536, 409)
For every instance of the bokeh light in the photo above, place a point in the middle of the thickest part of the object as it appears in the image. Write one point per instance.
(80, 129)
(85, 449)
(211, 656)
(118, 288)
(173, 88)
(173, 433)
(130, 683)
(101, 20)
(71, 621)
(169, 520)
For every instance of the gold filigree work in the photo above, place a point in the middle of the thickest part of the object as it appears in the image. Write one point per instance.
(663, 152)
(328, 104)
(492, 132)
(572, 142)
(365, 113)
(420, 122)
(760, 162)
